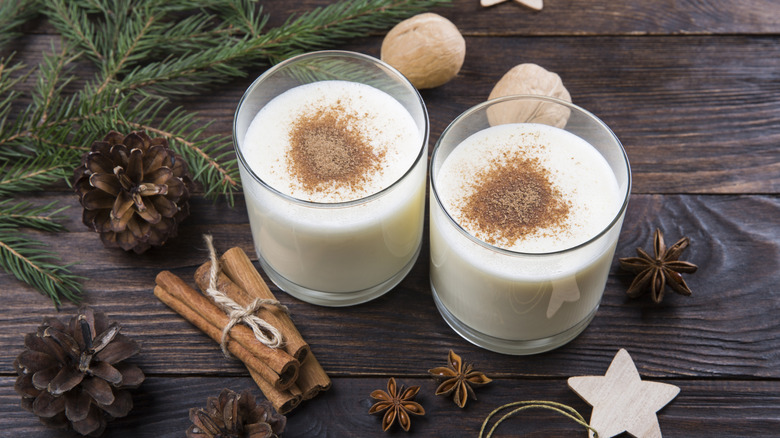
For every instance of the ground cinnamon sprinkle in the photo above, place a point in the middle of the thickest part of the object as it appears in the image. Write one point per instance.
(514, 199)
(326, 153)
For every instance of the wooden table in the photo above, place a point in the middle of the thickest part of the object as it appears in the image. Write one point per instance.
(691, 88)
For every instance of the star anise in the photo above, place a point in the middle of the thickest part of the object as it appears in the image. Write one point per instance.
(458, 378)
(398, 404)
(655, 273)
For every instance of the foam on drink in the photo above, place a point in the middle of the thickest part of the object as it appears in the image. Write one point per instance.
(528, 188)
(331, 141)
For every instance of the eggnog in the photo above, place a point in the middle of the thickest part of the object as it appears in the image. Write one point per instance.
(523, 230)
(528, 188)
(336, 191)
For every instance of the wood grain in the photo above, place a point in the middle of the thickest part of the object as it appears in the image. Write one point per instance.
(691, 88)
(702, 409)
(716, 332)
(589, 17)
(577, 17)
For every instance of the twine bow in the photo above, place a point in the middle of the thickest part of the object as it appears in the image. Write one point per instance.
(264, 332)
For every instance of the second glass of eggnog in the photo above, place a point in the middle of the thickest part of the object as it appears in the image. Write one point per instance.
(528, 195)
(332, 150)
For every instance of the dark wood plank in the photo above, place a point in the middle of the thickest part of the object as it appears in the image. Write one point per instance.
(696, 114)
(690, 87)
(600, 17)
(728, 328)
(581, 17)
(703, 409)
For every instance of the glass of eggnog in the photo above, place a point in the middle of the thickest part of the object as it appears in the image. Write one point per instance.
(528, 194)
(332, 150)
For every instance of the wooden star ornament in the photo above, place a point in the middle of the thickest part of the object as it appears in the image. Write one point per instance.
(621, 401)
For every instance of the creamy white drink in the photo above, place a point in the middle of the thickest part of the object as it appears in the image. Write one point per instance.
(508, 256)
(345, 162)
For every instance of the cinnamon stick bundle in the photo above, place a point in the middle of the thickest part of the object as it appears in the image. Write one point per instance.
(241, 353)
(312, 378)
(205, 315)
(294, 344)
(286, 375)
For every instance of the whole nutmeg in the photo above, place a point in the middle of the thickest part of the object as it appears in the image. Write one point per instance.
(427, 48)
(529, 79)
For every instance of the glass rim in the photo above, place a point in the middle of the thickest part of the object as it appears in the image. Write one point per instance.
(327, 53)
(549, 99)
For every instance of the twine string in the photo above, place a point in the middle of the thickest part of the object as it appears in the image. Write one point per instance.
(561, 408)
(265, 332)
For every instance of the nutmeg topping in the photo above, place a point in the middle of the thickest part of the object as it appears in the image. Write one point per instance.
(514, 199)
(327, 151)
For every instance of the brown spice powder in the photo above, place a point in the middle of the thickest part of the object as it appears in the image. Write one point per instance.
(325, 153)
(514, 199)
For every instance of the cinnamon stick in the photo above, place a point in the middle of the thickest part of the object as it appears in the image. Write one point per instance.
(283, 400)
(279, 361)
(241, 353)
(312, 378)
(239, 268)
(225, 285)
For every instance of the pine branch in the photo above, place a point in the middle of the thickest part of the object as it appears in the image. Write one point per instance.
(12, 15)
(75, 26)
(54, 75)
(129, 48)
(9, 79)
(55, 129)
(31, 131)
(318, 29)
(24, 214)
(244, 16)
(30, 262)
(32, 174)
(61, 139)
(192, 33)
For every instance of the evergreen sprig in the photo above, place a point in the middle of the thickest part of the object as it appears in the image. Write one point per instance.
(141, 55)
(29, 261)
(24, 214)
(13, 14)
(30, 174)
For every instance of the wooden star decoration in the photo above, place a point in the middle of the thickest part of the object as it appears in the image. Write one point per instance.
(621, 401)
(533, 4)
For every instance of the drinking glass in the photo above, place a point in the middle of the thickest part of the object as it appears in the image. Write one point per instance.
(339, 253)
(509, 301)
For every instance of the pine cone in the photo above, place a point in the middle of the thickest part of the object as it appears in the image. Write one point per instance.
(235, 416)
(134, 190)
(71, 374)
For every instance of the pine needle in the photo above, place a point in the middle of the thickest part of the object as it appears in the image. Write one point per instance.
(12, 15)
(30, 262)
(32, 174)
(24, 214)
